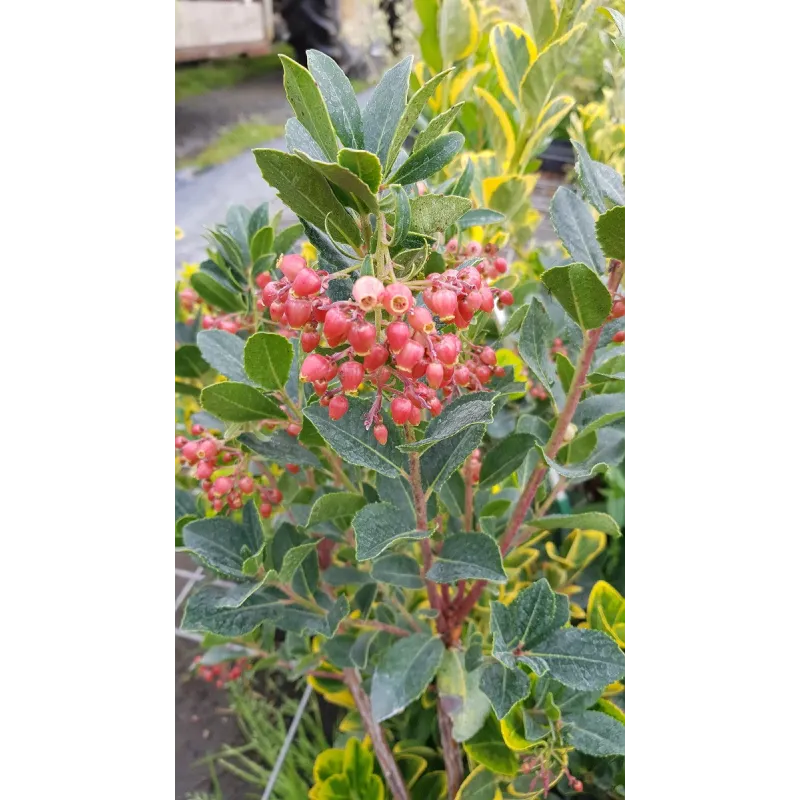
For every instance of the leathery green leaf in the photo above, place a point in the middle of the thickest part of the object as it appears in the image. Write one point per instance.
(468, 556)
(582, 294)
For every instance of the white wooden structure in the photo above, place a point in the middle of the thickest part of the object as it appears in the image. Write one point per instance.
(206, 29)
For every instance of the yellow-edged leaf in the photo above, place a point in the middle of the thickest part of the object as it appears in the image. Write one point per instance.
(461, 83)
(458, 30)
(513, 52)
(549, 119)
(501, 131)
(605, 611)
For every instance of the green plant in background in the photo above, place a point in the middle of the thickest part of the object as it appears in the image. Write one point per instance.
(384, 431)
(507, 78)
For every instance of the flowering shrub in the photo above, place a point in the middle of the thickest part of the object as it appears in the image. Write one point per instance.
(373, 466)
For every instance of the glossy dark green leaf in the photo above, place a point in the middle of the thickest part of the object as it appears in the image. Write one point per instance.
(598, 181)
(535, 341)
(225, 353)
(431, 212)
(574, 224)
(327, 252)
(356, 445)
(385, 108)
(348, 182)
(610, 231)
(403, 674)
(307, 193)
(377, 525)
(402, 215)
(268, 359)
(339, 96)
(581, 293)
(293, 559)
(363, 164)
(437, 126)
(336, 505)
(222, 544)
(596, 734)
(261, 243)
(410, 115)
(505, 457)
(480, 217)
(441, 460)
(286, 238)
(208, 610)
(464, 411)
(364, 598)
(280, 448)
(610, 451)
(305, 98)
(468, 556)
(218, 294)
(580, 658)
(189, 362)
(239, 402)
(430, 159)
(398, 570)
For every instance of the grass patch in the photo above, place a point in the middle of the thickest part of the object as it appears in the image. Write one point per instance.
(232, 142)
(201, 78)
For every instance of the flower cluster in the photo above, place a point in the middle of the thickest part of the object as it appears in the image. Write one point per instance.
(207, 455)
(220, 674)
(400, 351)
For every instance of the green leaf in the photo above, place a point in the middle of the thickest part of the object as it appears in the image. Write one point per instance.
(280, 448)
(610, 231)
(532, 614)
(261, 243)
(543, 15)
(403, 674)
(239, 402)
(458, 29)
(306, 100)
(410, 115)
(293, 559)
(220, 543)
(596, 734)
(220, 295)
(598, 181)
(467, 556)
(258, 219)
(469, 719)
(481, 784)
(398, 570)
(349, 438)
(514, 322)
(514, 52)
(432, 786)
(363, 164)
(565, 370)
(504, 687)
(225, 353)
(364, 598)
(286, 238)
(335, 505)
(206, 611)
(480, 216)
(327, 252)
(377, 525)
(345, 576)
(535, 341)
(432, 212)
(610, 452)
(189, 362)
(463, 185)
(619, 20)
(599, 410)
(402, 215)
(348, 182)
(488, 747)
(307, 193)
(577, 657)
(506, 457)
(437, 126)
(339, 96)
(581, 293)
(385, 109)
(441, 460)
(268, 359)
(588, 521)
(429, 160)
(464, 411)
(574, 224)
(298, 138)
(535, 426)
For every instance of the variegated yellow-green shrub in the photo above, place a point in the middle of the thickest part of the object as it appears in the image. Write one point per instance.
(503, 93)
(397, 459)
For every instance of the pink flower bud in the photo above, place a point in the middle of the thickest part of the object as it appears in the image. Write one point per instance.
(290, 265)
(361, 337)
(409, 356)
(397, 334)
(351, 373)
(421, 320)
(434, 374)
(306, 282)
(315, 368)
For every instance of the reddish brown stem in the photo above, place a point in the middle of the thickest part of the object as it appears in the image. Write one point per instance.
(453, 765)
(528, 495)
(391, 771)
